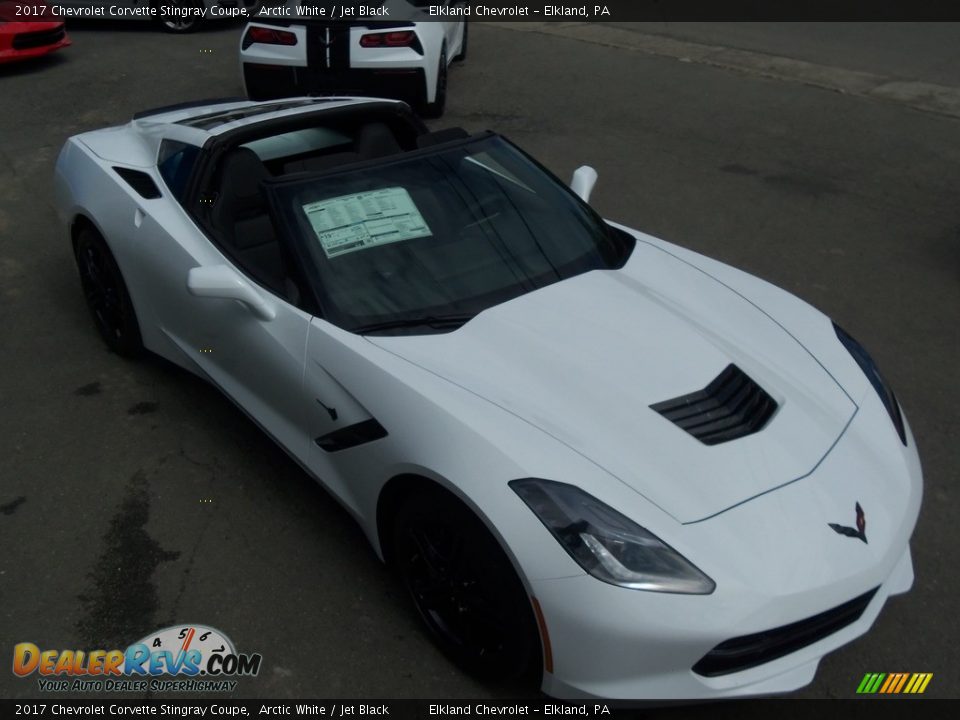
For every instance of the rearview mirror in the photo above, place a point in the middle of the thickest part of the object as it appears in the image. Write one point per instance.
(582, 182)
(225, 283)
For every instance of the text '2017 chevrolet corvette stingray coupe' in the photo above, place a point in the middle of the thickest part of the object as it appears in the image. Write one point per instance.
(591, 455)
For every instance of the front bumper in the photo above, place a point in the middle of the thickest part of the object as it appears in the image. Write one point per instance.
(776, 562)
(25, 40)
(606, 660)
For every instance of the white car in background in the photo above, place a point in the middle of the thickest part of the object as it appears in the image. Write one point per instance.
(395, 58)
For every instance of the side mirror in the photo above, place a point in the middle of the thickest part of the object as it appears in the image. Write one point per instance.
(225, 283)
(582, 182)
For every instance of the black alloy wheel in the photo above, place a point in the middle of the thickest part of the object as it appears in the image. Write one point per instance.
(106, 295)
(464, 587)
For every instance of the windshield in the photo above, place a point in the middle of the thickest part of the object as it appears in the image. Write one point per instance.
(425, 242)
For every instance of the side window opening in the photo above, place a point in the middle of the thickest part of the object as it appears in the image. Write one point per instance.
(242, 219)
(175, 163)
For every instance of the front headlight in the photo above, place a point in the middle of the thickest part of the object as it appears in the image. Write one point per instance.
(608, 545)
(872, 372)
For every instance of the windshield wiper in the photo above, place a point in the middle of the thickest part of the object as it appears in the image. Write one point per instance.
(437, 322)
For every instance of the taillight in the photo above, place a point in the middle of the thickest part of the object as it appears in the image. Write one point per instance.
(269, 36)
(402, 38)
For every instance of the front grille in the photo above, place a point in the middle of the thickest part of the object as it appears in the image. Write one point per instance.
(730, 407)
(41, 38)
(751, 650)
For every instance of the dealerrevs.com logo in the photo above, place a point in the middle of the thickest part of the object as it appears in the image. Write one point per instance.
(180, 658)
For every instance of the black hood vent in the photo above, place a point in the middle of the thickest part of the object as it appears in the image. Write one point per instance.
(730, 407)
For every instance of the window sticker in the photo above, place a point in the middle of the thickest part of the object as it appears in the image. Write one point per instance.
(364, 220)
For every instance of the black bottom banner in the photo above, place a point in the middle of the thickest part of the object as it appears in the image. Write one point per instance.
(781, 709)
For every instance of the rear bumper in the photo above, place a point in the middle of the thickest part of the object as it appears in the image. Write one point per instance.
(266, 82)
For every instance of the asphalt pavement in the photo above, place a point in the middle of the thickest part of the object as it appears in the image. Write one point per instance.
(133, 496)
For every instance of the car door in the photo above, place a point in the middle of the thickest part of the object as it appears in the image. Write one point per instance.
(256, 361)
(255, 357)
(342, 428)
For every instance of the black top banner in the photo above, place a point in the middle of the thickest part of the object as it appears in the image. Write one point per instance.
(500, 10)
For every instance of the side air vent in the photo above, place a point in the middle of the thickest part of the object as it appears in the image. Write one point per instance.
(351, 436)
(730, 407)
(139, 181)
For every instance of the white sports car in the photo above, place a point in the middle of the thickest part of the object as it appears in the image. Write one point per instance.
(281, 57)
(590, 454)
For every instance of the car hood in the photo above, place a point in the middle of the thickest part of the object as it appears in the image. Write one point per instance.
(583, 360)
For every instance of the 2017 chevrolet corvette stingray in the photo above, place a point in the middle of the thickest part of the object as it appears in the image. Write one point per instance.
(591, 455)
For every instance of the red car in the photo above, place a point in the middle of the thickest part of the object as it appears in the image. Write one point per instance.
(25, 31)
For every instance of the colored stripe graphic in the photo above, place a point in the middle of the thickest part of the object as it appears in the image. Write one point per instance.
(894, 683)
(918, 683)
(891, 679)
(903, 681)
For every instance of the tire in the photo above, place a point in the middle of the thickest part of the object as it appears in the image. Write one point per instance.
(462, 55)
(464, 587)
(106, 295)
(175, 24)
(435, 109)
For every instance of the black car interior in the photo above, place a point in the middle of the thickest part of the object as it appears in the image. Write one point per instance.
(238, 213)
